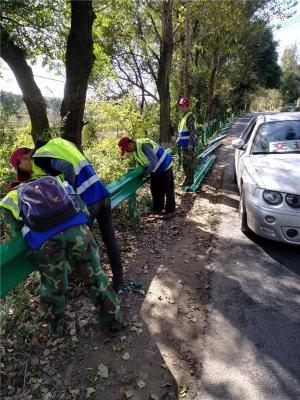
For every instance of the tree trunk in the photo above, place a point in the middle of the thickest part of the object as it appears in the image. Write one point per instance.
(164, 70)
(79, 64)
(210, 93)
(187, 52)
(15, 57)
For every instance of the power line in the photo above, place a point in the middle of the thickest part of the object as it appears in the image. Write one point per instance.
(291, 22)
(37, 76)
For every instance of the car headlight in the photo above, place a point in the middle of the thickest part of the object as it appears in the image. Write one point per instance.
(293, 200)
(272, 197)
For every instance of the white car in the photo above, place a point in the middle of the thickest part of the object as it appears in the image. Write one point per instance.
(267, 167)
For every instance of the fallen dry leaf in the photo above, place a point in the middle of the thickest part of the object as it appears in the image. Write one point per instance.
(126, 356)
(74, 393)
(141, 384)
(102, 370)
(129, 393)
(117, 348)
(88, 392)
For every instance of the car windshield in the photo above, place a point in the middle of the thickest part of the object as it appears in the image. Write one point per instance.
(277, 137)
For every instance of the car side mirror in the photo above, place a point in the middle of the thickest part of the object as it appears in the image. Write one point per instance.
(238, 144)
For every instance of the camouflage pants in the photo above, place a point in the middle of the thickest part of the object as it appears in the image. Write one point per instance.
(188, 165)
(77, 245)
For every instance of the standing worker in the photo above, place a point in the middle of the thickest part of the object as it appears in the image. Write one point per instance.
(54, 225)
(59, 156)
(158, 164)
(187, 139)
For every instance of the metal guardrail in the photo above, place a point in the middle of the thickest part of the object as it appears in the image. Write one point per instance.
(16, 258)
(209, 150)
(216, 132)
(201, 171)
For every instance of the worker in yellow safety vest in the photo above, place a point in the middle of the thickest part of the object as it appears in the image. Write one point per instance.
(61, 157)
(187, 140)
(158, 165)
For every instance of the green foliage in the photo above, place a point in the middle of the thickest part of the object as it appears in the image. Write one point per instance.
(105, 157)
(266, 99)
(123, 118)
(17, 307)
(290, 60)
(38, 26)
(10, 139)
(290, 87)
(290, 80)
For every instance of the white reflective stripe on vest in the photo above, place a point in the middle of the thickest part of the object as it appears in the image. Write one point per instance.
(164, 155)
(183, 137)
(43, 154)
(85, 185)
(81, 165)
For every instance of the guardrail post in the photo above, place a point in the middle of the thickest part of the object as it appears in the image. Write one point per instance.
(132, 211)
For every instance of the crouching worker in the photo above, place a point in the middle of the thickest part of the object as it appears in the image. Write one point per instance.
(158, 165)
(53, 223)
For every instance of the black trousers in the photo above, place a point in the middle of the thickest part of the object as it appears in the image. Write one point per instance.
(102, 212)
(162, 190)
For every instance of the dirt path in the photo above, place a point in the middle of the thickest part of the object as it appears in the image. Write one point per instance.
(159, 355)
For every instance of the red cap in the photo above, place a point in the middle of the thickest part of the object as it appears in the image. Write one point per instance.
(15, 158)
(12, 185)
(184, 102)
(123, 142)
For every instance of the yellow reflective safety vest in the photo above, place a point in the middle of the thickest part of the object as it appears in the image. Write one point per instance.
(35, 239)
(183, 132)
(87, 184)
(164, 159)
(10, 202)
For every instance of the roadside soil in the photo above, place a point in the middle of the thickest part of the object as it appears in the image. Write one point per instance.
(159, 354)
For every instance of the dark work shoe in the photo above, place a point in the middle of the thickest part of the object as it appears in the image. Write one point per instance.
(57, 329)
(116, 326)
(123, 289)
(168, 216)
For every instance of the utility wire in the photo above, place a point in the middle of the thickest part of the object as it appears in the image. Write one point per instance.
(37, 76)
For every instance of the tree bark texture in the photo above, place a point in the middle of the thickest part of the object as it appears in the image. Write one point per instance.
(15, 57)
(79, 64)
(164, 70)
(210, 95)
(187, 52)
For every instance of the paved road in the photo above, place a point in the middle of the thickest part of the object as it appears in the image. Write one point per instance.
(253, 340)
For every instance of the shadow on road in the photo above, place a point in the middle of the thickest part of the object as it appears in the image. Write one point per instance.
(286, 254)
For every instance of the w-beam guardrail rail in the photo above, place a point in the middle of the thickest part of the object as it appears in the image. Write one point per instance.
(212, 136)
(16, 261)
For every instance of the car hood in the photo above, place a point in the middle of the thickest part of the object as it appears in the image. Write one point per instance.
(280, 172)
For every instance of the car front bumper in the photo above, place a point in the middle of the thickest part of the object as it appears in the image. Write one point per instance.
(285, 227)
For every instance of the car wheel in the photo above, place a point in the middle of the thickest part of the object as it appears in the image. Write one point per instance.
(243, 214)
